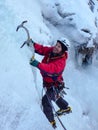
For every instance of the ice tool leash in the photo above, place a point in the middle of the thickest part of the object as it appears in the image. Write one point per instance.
(27, 42)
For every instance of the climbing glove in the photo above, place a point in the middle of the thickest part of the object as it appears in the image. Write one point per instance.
(34, 62)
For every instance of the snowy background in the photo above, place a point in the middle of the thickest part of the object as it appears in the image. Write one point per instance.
(21, 84)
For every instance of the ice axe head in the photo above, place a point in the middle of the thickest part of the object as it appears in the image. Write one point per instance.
(21, 25)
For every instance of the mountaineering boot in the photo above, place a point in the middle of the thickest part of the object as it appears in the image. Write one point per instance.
(53, 123)
(64, 111)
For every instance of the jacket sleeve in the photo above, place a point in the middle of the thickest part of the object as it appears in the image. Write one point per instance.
(56, 67)
(42, 50)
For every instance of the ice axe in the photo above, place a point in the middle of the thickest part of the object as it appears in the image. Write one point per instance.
(28, 36)
(27, 31)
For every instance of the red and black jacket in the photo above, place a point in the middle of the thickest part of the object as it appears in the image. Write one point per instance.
(51, 67)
